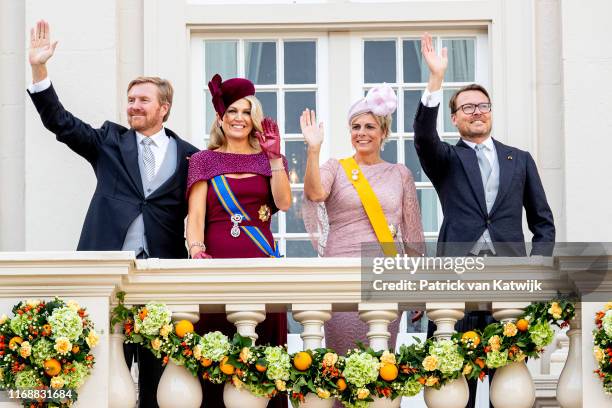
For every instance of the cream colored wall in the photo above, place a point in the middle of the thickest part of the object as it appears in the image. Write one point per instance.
(539, 66)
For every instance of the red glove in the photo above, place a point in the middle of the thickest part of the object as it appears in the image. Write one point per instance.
(201, 255)
(269, 139)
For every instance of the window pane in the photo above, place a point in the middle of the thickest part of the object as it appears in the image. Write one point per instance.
(260, 60)
(415, 69)
(295, 103)
(448, 124)
(295, 151)
(461, 60)
(389, 154)
(411, 103)
(412, 161)
(300, 62)
(220, 58)
(274, 224)
(379, 63)
(268, 102)
(300, 249)
(295, 222)
(209, 111)
(428, 200)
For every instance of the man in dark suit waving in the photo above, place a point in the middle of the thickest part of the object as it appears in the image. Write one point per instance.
(483, 185)
(139, 202)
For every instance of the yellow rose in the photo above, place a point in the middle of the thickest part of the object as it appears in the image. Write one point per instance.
(387, 358)
(430, 363)
(510, 329)
(32, 303)
(495, 343)
(197, 351)
(330, 359)
(237, 383)
(467, 369)
(599, 354)
(165, 330)
(92, 339)
(57, 382)
(72, 304)
(3, 318)
(555, 310)
(245, 354)
(608, 306)
(62, 345)
(323, 394)
(280, 385)
(520, 356)
(156, 343)
(25, 350)
(431, 381)
(363, 393)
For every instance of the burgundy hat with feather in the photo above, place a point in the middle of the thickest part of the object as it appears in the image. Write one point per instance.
(224, 93)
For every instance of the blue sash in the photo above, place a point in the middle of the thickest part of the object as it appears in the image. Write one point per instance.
(231, 205)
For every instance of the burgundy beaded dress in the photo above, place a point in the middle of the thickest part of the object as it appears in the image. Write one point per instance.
(255, 197)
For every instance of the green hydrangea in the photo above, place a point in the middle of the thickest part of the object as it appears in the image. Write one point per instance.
(19, 325)
(361, 369)
(496, 359)
(259, 390)
(410, 388)
(357, 404)
(74, 379)
(215, 345)
(157, 316)
(41, 351)
(541, 334)
(606, 323)
(447, 353)
(279, 363)
(65, 322)
(27, 379)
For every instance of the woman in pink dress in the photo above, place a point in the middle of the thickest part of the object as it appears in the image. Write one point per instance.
(243, 159)
(333, 212)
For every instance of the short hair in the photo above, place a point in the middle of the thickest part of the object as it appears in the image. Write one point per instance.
(383, 121)
(164, 90)
(217, 137)
(470, 87)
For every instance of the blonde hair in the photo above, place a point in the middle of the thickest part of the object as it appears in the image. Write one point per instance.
(383, 121)
(217, 137)
(164, 90)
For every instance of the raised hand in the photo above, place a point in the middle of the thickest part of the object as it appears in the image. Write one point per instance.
(437, 63)
(269, 139)
(41, 47)
(313, 134)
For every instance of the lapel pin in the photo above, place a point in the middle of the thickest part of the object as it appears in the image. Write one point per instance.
(509, 157)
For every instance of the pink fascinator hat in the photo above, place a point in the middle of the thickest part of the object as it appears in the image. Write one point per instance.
(380, 100)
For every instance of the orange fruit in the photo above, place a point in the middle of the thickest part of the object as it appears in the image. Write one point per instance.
(15, 342)
(388, 372)
(471, 336)
(422, 380)
(341, 384)
(75, 349)
(522, 325)
(480, 362)
(183, 327)
(206, 362)
(302, 361)
(226, 368)
(52, 367)
(261, 366)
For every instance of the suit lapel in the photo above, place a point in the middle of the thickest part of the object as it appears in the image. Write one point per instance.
(467, 155)
(181, 162)
(129, 154)
(506, 171)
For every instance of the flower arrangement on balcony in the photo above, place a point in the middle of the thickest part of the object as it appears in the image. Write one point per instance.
(45, 352)
(602, 349)
(318, 372)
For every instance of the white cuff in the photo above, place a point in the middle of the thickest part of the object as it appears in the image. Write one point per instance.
(431, 99)
(40, 86)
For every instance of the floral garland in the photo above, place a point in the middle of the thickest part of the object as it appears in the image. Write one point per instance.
(45, 352)
(602, 349)
(358, 377)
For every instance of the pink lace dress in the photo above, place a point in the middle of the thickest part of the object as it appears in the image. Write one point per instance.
(339, 225)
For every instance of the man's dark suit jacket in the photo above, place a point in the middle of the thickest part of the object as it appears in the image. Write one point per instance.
(455, 174)
(119, 197)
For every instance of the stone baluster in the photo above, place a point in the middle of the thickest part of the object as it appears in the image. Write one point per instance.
(246, 318)
(121, 390)
(569, 387)
(312, 317)
(378, 316)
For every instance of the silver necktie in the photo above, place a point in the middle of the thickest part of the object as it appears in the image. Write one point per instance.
(483, 163)
(148, 158)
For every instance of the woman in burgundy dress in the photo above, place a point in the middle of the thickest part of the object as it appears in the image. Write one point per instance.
(233, 189)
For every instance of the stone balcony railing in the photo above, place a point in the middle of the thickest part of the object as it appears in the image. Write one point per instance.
(246, 289)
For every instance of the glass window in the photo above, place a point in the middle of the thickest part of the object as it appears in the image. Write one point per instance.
(220, 58)
(379, 61)
(412, 161)
(300, 62)
(428, 201)
(461, 60)
(415, 69)
(389, 152)
(295, 151)
(260, 62)
(302, 249)
(411, 103)
(268, 103)
(295, 103)
(295, 221)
